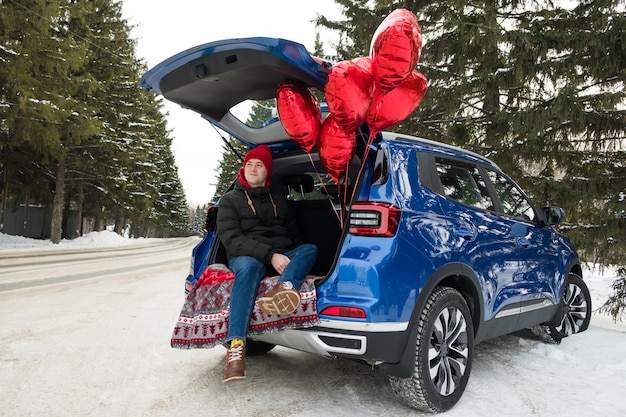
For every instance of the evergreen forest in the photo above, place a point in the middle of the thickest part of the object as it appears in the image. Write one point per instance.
(78, 138)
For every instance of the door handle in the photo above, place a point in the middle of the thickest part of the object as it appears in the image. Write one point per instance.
(465, 234)
(523, 242)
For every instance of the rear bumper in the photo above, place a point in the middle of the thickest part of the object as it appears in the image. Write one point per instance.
(375, 343)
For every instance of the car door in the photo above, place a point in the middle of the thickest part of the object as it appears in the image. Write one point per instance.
(538, 245)
(484, 240)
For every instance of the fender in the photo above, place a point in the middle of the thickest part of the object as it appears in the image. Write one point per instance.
(575, 268)
(456, 275)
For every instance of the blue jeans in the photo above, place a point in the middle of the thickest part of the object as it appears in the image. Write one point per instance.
(249, 272)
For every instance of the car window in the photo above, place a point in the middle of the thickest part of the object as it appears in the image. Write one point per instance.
(514, 202)
(464, 183)
(323, 187)
(381, 168)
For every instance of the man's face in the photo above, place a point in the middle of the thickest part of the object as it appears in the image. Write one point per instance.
(255, 173)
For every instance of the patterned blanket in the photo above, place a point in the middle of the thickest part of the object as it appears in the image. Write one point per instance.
(203, 320)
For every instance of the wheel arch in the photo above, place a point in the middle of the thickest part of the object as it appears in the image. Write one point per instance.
(455, 275)
(576, 268)
(460, 277)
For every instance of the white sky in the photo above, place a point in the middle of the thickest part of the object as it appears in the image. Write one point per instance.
(166, 27)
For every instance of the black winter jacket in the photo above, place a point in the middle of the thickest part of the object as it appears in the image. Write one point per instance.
(259, 235)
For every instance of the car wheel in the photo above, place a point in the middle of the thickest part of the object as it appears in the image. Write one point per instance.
(576, 304)
(254, 347)
(444, 347)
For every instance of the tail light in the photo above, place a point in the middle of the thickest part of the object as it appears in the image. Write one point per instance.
(352, 312)
(374, 219)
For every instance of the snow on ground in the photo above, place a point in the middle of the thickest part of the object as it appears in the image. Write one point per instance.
(90, 240)
(511, 376)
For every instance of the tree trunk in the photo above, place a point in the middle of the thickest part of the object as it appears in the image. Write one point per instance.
(66, 232)
(99, 224)
(43, 232)
(491, 62)
(26, 227)
(88, 224)
(119, 223)
(56, 229)
(79, 208)
(5, 196)
(127, 227)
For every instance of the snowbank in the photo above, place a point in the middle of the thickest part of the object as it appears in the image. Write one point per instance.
(90, 240)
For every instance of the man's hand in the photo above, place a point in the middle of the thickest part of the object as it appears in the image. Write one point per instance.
(279, 262)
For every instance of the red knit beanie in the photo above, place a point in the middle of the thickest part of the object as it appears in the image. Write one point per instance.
(264, 154)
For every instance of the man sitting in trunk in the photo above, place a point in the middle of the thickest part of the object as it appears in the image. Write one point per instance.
(258, 230)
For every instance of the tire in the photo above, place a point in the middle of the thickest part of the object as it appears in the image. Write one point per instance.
(254, 347)
(576, 306)
(444, 348)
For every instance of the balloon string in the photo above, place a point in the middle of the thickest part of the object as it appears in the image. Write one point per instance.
(370, 140)
(330, 201)
(344, 195)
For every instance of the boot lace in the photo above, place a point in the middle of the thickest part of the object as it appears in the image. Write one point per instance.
(235, 353)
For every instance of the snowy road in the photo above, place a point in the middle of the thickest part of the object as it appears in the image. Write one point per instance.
(86, 333)
(34, 268)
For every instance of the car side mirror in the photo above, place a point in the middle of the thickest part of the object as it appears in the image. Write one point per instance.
(553, 215)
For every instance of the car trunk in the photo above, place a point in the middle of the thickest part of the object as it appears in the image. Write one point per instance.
(320, 210)
(213, 78)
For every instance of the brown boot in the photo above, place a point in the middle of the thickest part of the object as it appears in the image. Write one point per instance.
(282, 299)
(235, 364)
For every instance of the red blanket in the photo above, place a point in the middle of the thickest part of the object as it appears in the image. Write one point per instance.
(203, 320)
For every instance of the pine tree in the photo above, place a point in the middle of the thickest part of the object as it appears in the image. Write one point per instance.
(98, 163)
(133, 161)
(74, 126)
(232, 157)
(46, 118)
(25, 111)
(169, 205)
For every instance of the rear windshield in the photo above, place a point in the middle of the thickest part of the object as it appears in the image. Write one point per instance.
(324, 187)
(256, 113)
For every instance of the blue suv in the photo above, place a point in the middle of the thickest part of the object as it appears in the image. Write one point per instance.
(430, 250)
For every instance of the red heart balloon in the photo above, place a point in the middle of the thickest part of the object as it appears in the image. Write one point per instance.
(394, 106)
(299, 112)
(395, 49)
(349, 91)
(336, 148)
